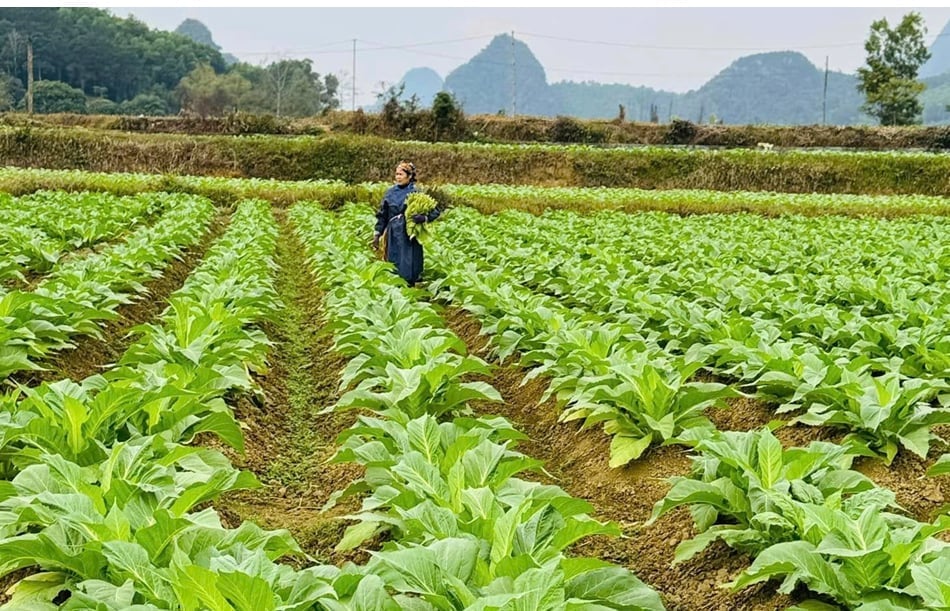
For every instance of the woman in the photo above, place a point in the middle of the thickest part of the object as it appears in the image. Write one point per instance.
(403, 251)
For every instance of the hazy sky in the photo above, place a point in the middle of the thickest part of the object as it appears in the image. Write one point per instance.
(675, 49)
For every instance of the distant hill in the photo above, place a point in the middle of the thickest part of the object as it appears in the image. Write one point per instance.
(782, 88)
(939, 62)
(502, 75)
(591, 100)
(423, 83)
(199, 32)
(777, 88)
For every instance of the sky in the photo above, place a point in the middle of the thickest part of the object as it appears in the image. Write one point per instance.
(674, 49)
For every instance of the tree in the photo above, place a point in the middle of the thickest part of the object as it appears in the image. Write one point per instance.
(447, 114)
(101, 106)
(87, 48)
(56, 96)
(10, 92)
(205, 93)
(148, 104)
(287, 88)
(889, 81)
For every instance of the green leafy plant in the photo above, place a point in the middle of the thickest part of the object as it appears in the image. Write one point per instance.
(418, 203)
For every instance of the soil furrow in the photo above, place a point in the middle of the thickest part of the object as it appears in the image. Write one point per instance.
(287, 441)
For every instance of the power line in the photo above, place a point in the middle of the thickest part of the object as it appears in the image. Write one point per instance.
(319, 49)
(383, 46)
(314, 50)
(699, 48)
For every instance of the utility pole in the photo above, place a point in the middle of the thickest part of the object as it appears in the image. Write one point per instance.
(824, 95)
(514, 77)
(29, 75)
(353, 101)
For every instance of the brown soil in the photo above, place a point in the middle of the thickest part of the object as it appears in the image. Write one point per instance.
(287, 441)
(921, 497)
(578, 462)
(93, 355)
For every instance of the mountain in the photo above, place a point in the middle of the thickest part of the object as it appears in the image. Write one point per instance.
(423, 83)
(591, 100)
(199, 32)
(939, 62)
(503, 77)
(779, 87)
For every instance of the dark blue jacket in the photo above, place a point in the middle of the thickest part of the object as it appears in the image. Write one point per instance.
(404, 252)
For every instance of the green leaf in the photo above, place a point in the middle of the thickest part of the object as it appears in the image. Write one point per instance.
(131, 560)
(246, 592)
(623, 449)
(615, 588)
(196, 588)
(356, 534)
(425, 438)
(371, 595)
(769, 459)
(941, 467)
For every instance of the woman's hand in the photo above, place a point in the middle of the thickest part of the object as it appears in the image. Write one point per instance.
(419, 218)
(376, 241)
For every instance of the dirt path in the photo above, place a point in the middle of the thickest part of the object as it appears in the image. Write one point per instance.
(287, 441)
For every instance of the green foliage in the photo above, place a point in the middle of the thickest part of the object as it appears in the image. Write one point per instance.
(102, 106)
(9, 93)
(941, 467)
(680, 132)
(205, 93)
(889, 81)
(566, 129)
(287, 88)
(56, 96)
(89, 48)
(447, 115)
(148, 104)
(398, 115)
(418, 203)
(743, 487)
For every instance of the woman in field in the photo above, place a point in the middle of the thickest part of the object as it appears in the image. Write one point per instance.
(401, 249)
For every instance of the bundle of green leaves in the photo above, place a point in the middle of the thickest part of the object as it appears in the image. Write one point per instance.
(418, 203)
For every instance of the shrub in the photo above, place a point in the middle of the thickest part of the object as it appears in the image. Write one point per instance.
(147, 104)
(56, 96)
(680, 132)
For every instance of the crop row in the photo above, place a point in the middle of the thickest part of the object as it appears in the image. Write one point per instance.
(803, 512)
(465, 532)
(488, 198)
(37, 229)
(870, 361)
(83, 292)
(102, 494)
(496, 197)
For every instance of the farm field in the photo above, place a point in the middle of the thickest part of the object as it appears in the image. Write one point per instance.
(218, 396)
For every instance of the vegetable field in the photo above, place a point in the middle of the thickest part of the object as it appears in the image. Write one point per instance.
(214, 396)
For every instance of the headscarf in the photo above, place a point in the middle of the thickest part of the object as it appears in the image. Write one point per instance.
(408, 168)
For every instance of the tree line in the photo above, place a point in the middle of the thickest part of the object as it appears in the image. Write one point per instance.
(86, 60)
